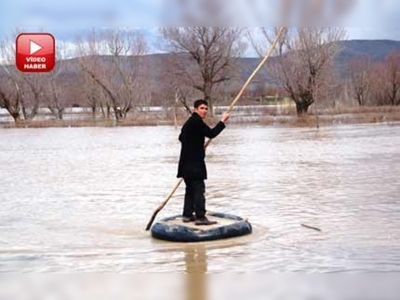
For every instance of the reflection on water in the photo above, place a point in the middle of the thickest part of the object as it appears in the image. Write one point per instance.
(195, 260)
(78, 200)
(196, 268)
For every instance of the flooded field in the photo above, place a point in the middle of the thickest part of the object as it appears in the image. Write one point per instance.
(78, 199)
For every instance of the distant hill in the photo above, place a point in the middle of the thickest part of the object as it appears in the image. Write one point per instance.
(377, 49)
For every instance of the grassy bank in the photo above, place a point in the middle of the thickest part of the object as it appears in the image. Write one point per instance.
(325, 117)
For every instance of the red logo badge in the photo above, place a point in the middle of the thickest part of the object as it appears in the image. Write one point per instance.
(35, 52)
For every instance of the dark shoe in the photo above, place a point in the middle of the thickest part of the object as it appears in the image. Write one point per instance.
(204, 222)
(188, 219)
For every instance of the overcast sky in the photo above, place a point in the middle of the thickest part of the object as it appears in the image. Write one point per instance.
(364, 19)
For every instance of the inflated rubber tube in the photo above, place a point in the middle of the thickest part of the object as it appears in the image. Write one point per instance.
(168, 231)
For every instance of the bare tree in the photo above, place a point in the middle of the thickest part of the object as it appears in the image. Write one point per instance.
(303, 61)
(392, 70)
(360, 70)
(119, 73)
(56, 87)
(25, 90)
(214, 50)
(129, 82)
(94, 96)
(10, 97)
(176, 89)
(34, 92)
(378, 82)
(10, 90)
(54, 97)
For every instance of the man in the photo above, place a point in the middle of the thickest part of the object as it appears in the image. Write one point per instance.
(192, 167)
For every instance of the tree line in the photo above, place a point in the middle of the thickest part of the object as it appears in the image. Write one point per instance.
(375, 83)
(115, 78)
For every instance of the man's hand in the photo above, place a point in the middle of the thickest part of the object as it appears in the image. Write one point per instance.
(225, 117)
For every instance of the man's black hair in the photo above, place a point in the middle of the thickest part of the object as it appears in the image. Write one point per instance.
(199, 102)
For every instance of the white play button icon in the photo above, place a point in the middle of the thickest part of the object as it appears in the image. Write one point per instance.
(34, 47)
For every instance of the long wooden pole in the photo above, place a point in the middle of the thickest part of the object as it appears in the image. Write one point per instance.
(281, 30)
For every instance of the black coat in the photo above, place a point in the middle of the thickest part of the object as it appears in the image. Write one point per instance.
(193, 133)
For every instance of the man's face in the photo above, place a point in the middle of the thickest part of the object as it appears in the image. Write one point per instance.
(201, 110)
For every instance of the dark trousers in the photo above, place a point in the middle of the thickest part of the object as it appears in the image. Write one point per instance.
(195, 202)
